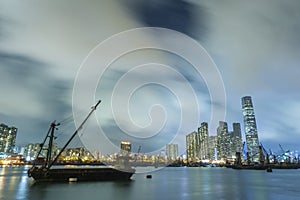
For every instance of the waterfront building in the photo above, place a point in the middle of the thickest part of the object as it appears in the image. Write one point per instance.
(197, 144)
(203, 141)
(8, 137)
(212, 143)
(31, 151)
(125, 147)
(172, 151)
(77, 154)
(236, 139)
(223, 142)
(192, 147)
(250, 128)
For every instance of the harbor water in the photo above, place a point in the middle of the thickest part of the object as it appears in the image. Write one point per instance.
(167, 183)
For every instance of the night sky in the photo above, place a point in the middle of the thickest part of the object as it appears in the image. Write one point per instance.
(254, 44)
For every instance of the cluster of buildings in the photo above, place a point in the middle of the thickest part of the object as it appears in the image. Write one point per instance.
(69, 155)
(200, 146)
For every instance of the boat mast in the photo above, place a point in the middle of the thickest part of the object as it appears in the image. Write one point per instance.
(75, 133)
(50, 147)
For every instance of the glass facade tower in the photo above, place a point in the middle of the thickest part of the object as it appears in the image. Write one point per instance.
(250, 128)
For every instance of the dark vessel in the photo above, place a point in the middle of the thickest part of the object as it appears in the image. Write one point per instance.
(264, 163)
(238, 163)
(46, 172)
(252, 167)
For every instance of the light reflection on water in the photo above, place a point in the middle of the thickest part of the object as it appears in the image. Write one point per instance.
(168, 183)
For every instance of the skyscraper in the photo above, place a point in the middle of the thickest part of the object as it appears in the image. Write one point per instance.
(203, 137)
(237, 138)
(213, 144)
(172, 151)
(7, 138)
(250, 128)
(192, 146)
(236, 144)
(223, 141)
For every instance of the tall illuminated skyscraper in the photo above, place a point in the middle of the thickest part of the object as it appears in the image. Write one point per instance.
(250, 128)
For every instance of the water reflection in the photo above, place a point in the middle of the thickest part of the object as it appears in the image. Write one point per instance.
(169, 183)
(22, 189)
(12, 182)
(2, 179)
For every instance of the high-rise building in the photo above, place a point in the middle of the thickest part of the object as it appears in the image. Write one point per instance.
(203, 137)
(192, 146)
(7, 139)
(125, 147)
(172, 151)
(223, 141)
(250, 128)
(31, 151)
(237, 143)
(213, 144)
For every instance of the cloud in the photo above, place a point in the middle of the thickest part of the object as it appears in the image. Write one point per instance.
(30, 94)
(179, 15)
(254, 42)
(255, 45)
(45, 43)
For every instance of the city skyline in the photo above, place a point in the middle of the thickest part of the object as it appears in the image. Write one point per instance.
(254, 45)
(200, 146)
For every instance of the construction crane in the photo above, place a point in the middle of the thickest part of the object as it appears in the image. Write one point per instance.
(274, 157)
(286, 157)
(266, 154)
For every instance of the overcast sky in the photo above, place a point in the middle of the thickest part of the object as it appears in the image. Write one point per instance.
(255, 46)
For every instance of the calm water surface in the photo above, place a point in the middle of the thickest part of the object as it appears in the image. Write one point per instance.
(168, 183)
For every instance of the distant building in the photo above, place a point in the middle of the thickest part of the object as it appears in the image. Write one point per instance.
(192, 146)
(125, 147)
(203, 141)
(76, 154)
(213, 144)
(197, 144)
(31, 151)
(250, 128)
(172, 151)
(236, 139)
(223, 142)
(8, 137)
